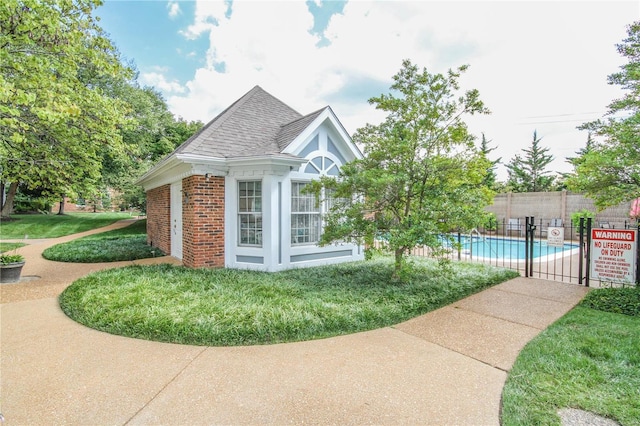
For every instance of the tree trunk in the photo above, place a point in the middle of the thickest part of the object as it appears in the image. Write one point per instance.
(61, 209)
(7, 207)
(399, 255)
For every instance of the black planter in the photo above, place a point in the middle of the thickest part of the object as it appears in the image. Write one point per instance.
(10, 273)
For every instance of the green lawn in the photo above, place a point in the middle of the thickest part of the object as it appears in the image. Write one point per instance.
(52, 226)
(129, 243)
(589, 359)
(7, 247)
(223, 307)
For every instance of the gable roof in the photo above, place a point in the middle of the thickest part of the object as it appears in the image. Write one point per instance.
(257, 128)
(249, 127)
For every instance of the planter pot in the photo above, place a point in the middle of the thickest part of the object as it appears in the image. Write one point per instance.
(10, 273)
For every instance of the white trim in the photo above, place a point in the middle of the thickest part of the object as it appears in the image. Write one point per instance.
(175, 219)
(264, 161)
(329, 120)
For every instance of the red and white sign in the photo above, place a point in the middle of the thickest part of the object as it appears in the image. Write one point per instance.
(613, 255)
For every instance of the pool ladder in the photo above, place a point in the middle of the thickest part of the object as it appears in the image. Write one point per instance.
(474, 230)
(482, 238)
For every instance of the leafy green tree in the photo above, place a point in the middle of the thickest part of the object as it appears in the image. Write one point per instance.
(529, 173)
(575, 161)
(491, 179)
(609, 172)
(421, 174)
(53, 119)
(155, 134)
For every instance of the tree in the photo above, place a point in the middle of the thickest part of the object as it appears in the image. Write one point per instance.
(491, 179)
(529, 173)
(575, 161)
(421, 175)
(588, 147)
(53, 118)
(155, 133)
(609, 172)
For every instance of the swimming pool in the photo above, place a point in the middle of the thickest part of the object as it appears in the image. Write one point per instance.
(507, 248)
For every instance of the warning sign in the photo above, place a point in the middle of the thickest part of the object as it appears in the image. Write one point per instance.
(613, 255)
(555, 236)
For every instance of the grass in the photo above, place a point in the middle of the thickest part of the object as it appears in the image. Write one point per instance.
(52, 226)
(7, 247)
(589, 359)
(225, 307)
(129, 243)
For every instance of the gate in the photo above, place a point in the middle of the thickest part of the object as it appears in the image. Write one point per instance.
(526, 246)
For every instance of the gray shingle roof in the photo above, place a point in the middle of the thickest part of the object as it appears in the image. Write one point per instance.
(256, 124)
(290, 131)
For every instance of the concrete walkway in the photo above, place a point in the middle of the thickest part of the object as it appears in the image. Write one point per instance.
(447, 367)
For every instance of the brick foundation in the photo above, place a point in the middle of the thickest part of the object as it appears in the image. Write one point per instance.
(203, 222)
(159, 218)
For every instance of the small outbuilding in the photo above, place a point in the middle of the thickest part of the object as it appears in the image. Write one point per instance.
(232, 194)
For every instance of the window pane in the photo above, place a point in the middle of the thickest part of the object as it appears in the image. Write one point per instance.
(328, 163)
(318, 163)
(305, 216)
(311, 169)
(249, 213)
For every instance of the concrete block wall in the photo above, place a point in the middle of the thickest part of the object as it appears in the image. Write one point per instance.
(159, 218)
(203, 222)
(560, 204)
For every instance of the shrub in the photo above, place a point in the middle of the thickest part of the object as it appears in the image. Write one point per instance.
(6, 259)
(616, 300)
(586, 214)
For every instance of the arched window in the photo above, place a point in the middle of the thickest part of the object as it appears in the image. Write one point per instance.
(322, 166)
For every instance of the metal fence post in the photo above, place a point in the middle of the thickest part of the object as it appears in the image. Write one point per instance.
(588, 251)
(581, 250)
(526, 246)
(531, 230)
(638, 256)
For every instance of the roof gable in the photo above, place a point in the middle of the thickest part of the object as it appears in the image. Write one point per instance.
(327, 117)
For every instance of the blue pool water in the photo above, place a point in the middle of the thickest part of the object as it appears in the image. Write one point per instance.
(507, 248)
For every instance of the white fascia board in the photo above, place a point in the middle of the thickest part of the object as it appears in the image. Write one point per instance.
(200, 164)
(330, 116)
(163, 166)
(179, 166)
(202, 159)
(170, 173)
(266, 160)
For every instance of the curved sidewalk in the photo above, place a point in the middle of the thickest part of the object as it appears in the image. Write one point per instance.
(447, 367)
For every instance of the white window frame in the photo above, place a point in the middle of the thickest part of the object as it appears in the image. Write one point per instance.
(304, 207)
(251, 209)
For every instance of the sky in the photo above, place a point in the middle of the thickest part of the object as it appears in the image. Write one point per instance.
(538, 65)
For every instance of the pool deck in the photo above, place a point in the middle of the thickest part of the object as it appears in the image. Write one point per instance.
(445, 367)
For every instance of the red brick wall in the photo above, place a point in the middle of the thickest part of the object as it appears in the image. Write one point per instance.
(159, 218)
(203, 222)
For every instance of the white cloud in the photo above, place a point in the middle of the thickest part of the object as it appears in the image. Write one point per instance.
(528, 59)
(207, 16)
(160, 82)
(174, 9)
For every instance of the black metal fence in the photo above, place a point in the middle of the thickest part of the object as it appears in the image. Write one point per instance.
(537, 248)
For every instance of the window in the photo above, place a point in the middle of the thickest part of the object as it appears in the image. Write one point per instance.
(322, 165)
(250, 213)
(305, 216)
